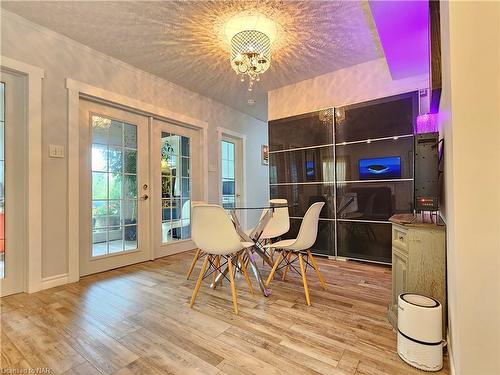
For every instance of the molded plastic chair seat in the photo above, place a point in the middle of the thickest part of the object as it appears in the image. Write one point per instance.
(305, 239)
(278, 224)
(214, 234)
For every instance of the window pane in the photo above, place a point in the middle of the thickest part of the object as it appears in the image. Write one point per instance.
(116, 133)
(130, 161)
(100, 130)
(115, 160)
(185, 167)
(115, 213)
(130, 237)
(99, 158)
(115, 239)
(185, 146)
(99, 243)
(130, 187)
(99, 185)
(130, 212)
(130, 136)
(115, 186)
(99, 214)
(176, 189)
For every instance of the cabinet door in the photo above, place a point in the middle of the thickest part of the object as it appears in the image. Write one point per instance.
(399, 282)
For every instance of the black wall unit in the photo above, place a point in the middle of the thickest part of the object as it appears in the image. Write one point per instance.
(359, 160)
(301, 170)
(427, 172)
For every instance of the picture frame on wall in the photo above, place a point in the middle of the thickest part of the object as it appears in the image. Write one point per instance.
(264, 155)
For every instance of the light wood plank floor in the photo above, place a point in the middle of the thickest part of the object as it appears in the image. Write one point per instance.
(137, 320)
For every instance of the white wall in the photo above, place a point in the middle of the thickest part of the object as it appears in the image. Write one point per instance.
(63, 58)
(470, 125)
(355, 84)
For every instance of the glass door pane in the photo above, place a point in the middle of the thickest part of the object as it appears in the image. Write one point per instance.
(228, 174)
(175, 187)
(114, 186)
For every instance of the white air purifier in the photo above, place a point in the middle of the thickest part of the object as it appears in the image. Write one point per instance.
(420, 341)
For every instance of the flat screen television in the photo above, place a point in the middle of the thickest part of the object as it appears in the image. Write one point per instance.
(380, 168)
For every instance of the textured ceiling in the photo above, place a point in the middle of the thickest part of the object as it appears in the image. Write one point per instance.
(184, 42)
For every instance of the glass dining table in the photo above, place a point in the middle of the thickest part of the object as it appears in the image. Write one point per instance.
(253, 236)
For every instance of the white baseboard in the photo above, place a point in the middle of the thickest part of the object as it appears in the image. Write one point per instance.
(53, 281)
(450, 354)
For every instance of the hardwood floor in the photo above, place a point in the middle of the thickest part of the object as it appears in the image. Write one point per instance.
(137, 320)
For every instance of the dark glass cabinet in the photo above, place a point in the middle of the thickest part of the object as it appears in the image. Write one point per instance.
(358, 159)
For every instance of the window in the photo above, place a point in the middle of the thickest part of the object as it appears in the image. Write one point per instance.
(114, 186)
(175, 187)
(228, 172)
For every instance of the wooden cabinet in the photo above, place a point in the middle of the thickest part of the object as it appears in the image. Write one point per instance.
(418, 264)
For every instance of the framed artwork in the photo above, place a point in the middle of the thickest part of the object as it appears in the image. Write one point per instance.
(265, 155)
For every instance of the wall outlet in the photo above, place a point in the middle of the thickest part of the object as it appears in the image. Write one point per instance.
(56, 151)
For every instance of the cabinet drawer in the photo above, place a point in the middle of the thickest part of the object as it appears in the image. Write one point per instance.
(399, 238)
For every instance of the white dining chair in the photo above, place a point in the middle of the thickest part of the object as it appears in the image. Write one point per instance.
(214, 234)
(300, 249)
(198, 254)
(278, 224)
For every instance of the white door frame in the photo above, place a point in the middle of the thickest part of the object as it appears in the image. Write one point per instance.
(33, 281)
(221, 132)
(77, 89)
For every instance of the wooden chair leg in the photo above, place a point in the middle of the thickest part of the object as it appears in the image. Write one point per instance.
(193, 263)
(316, 268)
(200, 279)
(273, 270)
(217, 262)
(245, 273)
(288, 256)
(233, 288)
(304, 280)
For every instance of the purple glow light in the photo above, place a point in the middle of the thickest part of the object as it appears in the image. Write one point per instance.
(403, 29)
(427, 123)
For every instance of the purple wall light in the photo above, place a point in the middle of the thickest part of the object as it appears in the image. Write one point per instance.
(427, 123)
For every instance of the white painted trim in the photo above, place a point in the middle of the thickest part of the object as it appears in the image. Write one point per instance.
(221, 131)
(33, 282)
(77, 89)
(450, 353)
(53, 281)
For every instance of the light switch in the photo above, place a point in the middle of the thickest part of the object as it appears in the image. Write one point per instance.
(56, 151)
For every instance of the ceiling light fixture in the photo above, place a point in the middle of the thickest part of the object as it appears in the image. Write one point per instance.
(251, 36)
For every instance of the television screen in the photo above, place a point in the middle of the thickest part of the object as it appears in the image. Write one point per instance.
(380, 168)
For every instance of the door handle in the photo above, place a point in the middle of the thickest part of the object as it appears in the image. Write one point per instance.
(144, 197)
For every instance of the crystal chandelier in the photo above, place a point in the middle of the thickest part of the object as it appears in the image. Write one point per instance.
(250, 55)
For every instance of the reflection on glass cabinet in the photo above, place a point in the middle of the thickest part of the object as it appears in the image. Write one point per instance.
(310, 129)
(386, 117)
(301, 196)
(304, 165)
(360, 240)
(175, 187)
(2, 181)
(114, 186)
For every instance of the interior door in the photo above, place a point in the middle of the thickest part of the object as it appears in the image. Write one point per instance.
(13, 182)
(114, 190)
(178, 181)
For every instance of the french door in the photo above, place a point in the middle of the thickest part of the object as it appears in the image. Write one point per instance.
(114, 189)
(13, 182)
(177, 182)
